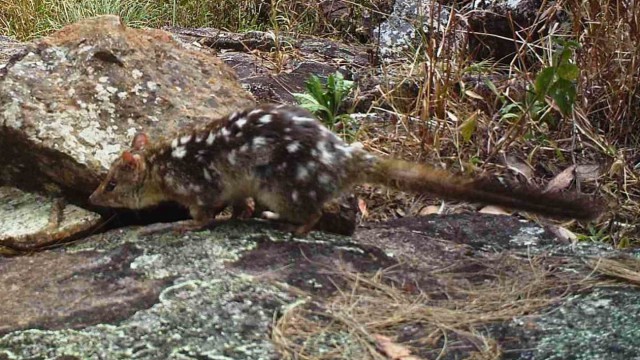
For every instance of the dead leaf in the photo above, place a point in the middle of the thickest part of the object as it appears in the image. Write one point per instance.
(588, 172)
(452, 116)
(493, 209)
(428, 210)
(362, 205)
(473, 95)
(392, 350)
(563, 233)
(518, 166)
(617, 168)
(562, 180)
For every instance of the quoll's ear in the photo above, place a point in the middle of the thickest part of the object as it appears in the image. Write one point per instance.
(140, 140)
(131, 160)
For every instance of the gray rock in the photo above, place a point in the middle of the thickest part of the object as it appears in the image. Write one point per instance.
(221, 293)
(72, 102)
(29, 221)
(402, 32)
(122, 294)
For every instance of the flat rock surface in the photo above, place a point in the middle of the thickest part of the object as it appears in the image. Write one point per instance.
(30, 221)
(245, 291)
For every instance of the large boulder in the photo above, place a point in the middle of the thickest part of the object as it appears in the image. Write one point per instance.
(70, 103)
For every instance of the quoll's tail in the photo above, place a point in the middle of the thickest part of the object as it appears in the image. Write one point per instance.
(407, 176)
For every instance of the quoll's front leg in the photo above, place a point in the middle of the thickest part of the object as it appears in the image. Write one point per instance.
(203, 216)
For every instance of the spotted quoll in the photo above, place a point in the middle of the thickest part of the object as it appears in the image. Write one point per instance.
(289, 163)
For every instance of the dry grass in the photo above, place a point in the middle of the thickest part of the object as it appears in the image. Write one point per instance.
(626, 270)
(429, 324)
(472, 127)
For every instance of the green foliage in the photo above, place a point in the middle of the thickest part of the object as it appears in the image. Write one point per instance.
(134, 13)
(326, 101)
(557, 81)
(594, 235)
(28, 19)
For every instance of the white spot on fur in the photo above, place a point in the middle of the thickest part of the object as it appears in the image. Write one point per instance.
(199, 138)
(233, 116)
(207, 175)
(210, 138)
(232, 157)
(288, 138)
(174, 143)
(302, 119)
(287, 130)
(312, 195)
(185, 139)
(259, 141)
(346, 150)
(325, 156)
(293, 147)
(244, 148)
(179, 152)
(302, 173)
(255, 112)
(324, 179)
(294, 196)
(265, 119)
(225, 132)
(241, 122)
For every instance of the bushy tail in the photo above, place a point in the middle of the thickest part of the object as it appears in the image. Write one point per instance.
(407, 176)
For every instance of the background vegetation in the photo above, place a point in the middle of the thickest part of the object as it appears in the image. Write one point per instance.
(571, 96)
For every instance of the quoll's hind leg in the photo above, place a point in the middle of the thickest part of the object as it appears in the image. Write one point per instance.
(243, 209)
(304, 229)
(293, 210)
(299, 220)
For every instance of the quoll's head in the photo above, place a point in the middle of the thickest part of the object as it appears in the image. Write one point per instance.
(124, 186)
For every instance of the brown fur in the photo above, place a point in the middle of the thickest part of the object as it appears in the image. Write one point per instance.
(419, 178)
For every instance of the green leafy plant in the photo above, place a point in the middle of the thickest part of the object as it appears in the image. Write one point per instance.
(326, 101)
(557, 81)
(594, 235)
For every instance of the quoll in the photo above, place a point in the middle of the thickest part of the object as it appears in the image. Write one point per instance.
(289, 163)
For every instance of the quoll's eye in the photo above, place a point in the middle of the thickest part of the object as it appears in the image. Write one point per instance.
(110, 186)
